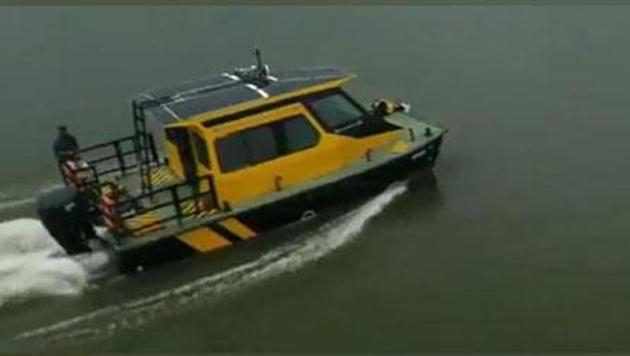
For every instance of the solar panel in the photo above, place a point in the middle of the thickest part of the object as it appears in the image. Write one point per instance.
(178, 102)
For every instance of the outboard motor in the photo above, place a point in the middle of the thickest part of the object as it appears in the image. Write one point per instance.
(59, 211)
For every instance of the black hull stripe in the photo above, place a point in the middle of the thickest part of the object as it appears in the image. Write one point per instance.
(225, 233)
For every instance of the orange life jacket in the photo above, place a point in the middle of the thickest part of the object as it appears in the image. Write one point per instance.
(74, 174)
(107, 207)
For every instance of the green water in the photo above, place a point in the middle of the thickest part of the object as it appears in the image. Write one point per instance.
(523, 246)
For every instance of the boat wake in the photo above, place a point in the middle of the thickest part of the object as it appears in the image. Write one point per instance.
(32, 264)
(309, 247)
(13, 203)
(18, 197)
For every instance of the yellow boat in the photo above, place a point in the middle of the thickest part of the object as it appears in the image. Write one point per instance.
(228, 158)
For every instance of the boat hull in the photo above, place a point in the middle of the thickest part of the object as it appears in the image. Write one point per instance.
(263, 219)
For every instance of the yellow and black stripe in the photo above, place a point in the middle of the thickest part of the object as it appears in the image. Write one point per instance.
(190, 207)
(143, 223)
(161, 176)
(217, 235)
(237, 228)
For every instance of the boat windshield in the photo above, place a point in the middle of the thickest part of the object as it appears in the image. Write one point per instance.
(337, 111)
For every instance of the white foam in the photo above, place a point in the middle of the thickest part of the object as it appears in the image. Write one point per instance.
(306, 248)
(33, 264)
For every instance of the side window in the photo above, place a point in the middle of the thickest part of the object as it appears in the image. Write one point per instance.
(298, 134)
(232, 153)
(260, 144)
(266, 142)
(201, 149)
(247, 148)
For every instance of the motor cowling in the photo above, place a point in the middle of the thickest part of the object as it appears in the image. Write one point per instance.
(59, 211)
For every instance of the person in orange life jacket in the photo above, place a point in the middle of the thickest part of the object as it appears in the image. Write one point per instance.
(75, 174)
(75, 171)
(109, 211)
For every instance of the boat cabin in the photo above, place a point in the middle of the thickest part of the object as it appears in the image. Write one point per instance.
(258, 137)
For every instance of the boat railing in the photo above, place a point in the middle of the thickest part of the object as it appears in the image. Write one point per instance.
(175, 202)
(118, 156)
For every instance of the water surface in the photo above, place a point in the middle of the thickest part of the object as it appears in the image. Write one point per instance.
(523, 246)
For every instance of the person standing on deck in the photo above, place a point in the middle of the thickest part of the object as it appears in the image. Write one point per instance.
(75, 173)
(65, 144)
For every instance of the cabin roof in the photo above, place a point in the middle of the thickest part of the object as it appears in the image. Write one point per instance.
(175, 103)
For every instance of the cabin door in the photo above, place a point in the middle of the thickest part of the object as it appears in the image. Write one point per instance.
(181, 139)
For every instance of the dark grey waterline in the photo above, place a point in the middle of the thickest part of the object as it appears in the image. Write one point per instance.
(522, 248)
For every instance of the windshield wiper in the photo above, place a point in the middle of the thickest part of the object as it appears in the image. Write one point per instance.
(351, 125)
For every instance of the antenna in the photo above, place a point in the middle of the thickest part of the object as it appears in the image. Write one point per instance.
(259, 62)
(256, 74)
(262, 71)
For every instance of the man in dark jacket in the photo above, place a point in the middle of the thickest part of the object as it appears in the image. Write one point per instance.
(65, 143)
(66, 149)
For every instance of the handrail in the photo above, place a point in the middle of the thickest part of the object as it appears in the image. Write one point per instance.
(176, 200)
(101, 165)
(119, 155)
(107, 143)
(143, 148)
